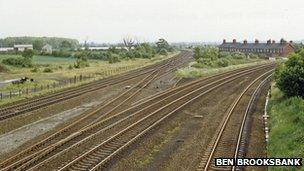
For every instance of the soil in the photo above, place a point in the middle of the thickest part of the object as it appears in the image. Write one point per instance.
(46, 121)
(256, 142)
(179, 144)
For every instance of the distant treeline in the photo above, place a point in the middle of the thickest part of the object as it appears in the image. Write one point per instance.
(39, 42)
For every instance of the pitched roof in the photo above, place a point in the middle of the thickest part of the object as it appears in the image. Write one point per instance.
(254, 45)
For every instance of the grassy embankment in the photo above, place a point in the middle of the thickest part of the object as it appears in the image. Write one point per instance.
(286, 123)
(61, 71)
(193, 71)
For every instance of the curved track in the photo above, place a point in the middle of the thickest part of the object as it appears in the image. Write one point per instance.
(226, 143)
(159, 106)
(44, 101)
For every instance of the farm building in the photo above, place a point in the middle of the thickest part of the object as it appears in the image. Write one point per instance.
(6, 49)
(21, 47)
(270, 48)
(47, 49)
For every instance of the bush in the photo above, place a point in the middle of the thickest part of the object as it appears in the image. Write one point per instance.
(35, 69)
(3, 68)
(47, 70)
(290, 76)
(114, 58)
(222, 63)
(82, 60)
(18, 62)
(163, 52)
(70, 67)
(61, 53)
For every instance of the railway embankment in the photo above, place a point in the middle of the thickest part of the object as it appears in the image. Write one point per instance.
(286, 138)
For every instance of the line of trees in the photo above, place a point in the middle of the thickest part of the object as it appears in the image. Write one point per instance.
(39, 42)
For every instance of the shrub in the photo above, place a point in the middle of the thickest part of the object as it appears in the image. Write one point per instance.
(47, 70)
(290, 76)
(3, 68)
(82, 60)
(35, 69)
(114, 58)
(163, 52)
(18, 62)
(70, 67)
(222, 63)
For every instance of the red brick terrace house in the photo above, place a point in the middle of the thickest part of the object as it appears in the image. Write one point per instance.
(271, 48)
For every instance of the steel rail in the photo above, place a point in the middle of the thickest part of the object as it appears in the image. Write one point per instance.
(145, 118)
(249, 106)
(223, 126)
(22, 107)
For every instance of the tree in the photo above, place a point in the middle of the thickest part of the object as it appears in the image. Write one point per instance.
(81, 60)
(163, 44)
(66, 45)
(290, 76)
(205, 54)
(128, 42)
(114, 58)
(197, 53)
(38, 44)
(28, 53)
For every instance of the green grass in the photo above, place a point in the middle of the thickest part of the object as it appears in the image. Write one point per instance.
(286, 123)
(193, 72)
(60, 67)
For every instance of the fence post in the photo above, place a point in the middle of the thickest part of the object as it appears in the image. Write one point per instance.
(10, 94)
(1, 96)
(19, 92)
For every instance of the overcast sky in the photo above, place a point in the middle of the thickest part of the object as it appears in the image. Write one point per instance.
(174, 20)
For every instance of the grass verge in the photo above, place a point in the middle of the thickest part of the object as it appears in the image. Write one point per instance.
(193, 72)
(99, 70)
(286, 123)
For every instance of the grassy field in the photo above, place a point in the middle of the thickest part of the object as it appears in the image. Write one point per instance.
(193, 72)
(61, 71)
(286, 123)
(60, 67)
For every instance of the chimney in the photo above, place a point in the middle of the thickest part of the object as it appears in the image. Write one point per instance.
(224, 41)
(256, 41)
(269, 42)
(282, 41)
(291, 42)
(245, 42)
(234, 40)
(273, 42)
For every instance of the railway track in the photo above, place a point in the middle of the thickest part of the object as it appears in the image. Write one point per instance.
(226, 143)
(116, 120)
(100, 155)
(44, 101)
(106, 109)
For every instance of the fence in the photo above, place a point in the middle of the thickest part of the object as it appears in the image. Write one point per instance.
(62, 83)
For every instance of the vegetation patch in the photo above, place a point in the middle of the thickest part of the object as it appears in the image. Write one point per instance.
(286, 138)
(209, 60)
(193, 72)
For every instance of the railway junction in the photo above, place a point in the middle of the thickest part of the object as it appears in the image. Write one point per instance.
(145, 119)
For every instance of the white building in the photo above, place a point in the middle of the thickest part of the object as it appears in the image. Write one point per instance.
(21, 48)
(47, 49)
(6, 49)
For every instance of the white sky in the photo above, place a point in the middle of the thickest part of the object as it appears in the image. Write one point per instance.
(174, 20)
